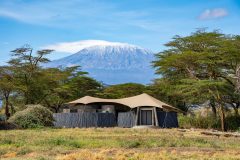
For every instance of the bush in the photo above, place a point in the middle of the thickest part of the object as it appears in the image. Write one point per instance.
(209, 122)
(7, 126)
(233, 122)
(34, 116)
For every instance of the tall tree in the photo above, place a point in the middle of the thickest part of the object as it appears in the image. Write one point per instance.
(197, 62)
(27, 70)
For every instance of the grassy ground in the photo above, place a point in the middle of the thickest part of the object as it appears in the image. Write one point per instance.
(115, 143)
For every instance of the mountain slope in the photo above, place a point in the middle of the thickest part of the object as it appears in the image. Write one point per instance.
(112, 63)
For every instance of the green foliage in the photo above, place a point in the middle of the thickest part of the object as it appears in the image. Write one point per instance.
(167, 91)
(195, 64)
(209, 122)
(233, 122)
(69, 84)
(123, 90)
(81, 85)
(202, 66)
(24, 81)
(33, 116)
(26, 69)
(206, 122)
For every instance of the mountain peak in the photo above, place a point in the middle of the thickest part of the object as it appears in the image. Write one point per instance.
(112, 62)
(117, 48)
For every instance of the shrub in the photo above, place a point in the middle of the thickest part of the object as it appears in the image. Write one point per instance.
(199, 122)
(34, 116)
(209, 122)
(233, 122)
(7, 126)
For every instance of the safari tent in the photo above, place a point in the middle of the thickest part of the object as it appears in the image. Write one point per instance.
(140, 110)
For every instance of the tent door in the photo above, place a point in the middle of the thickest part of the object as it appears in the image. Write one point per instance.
(146, 117)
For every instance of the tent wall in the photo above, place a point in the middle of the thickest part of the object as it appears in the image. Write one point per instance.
(126, 119)
(84, 120)
(167, 119)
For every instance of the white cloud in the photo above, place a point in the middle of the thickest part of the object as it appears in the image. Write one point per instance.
(77, 14)
(73, 47)
(6, 13)
(213, 13)
(52, 13)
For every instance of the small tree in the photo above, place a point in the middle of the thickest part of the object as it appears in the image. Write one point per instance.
(6, 86)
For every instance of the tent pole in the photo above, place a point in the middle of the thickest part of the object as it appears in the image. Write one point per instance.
(136, 120)
(156, 118)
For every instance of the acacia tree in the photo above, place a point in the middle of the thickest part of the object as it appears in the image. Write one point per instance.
(6, 87)
(231, 70)
(67, 84)
(27, 71)
(165, 89)
(56, 93)
(27, 82)
(197, 64)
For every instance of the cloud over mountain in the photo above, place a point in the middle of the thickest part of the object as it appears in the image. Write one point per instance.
(73, 47)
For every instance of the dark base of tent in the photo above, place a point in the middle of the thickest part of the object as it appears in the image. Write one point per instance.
(84, 120)
(165, 119)
(123, 119)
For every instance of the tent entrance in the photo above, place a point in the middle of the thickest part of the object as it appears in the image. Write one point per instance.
(146, 116)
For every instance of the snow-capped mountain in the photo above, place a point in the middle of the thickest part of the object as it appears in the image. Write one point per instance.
(112, 62)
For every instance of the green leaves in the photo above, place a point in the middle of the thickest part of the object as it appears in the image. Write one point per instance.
(33, 84)
(201, 65)
(123, 90)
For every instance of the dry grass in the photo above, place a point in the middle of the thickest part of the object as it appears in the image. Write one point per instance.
(115, 143)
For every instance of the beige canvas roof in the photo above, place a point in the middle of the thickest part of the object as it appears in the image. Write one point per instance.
(132, 102)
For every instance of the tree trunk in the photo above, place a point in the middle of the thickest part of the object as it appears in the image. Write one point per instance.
(222, 115)
(57, 108)
(7, 113)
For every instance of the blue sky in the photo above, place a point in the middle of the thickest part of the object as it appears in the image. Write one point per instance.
(148, 23)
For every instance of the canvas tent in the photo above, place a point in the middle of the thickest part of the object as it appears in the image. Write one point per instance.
(132, 102)
(138, 110)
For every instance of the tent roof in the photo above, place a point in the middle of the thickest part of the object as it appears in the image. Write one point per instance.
(132, 102)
